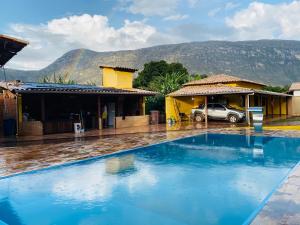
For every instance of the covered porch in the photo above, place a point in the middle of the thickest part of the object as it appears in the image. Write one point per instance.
(56, 113)
(179, 104)
(38, 109)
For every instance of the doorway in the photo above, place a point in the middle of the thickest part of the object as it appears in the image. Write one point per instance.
(111, 111)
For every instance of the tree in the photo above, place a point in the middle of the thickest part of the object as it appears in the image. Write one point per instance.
(168, 83)
(164, 85)
(279, 89)
(197, 76)
(155, 69)
(58, 79)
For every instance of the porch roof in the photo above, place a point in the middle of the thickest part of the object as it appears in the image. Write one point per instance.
(28, 87)
(295, 86)
(221, 79)
(219, 89)
(9, 47)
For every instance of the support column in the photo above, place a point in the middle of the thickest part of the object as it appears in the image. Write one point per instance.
(19, 113)
(280, 103)
(43, 112)
(286, 106)
(99, 112)
(143, 106)
(272, 105)
(206, 112)
(247, 101)
(267, 105)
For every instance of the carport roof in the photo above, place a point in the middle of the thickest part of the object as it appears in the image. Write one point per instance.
(221, 79)
(219, 89)
(295, 86)
(20, 87)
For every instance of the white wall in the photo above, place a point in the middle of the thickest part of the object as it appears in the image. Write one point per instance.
(297, 93)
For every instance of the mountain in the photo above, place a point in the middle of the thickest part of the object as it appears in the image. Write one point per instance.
(274, 62)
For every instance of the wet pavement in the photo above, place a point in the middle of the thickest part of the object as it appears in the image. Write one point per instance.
(283, 208)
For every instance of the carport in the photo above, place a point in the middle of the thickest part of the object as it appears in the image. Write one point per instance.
(231, 91)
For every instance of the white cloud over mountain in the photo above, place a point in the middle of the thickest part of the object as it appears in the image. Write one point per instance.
(267, 21)
(51, 40)
(153, 7)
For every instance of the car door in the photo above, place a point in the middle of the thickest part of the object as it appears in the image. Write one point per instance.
(219, 111)
(210, 110)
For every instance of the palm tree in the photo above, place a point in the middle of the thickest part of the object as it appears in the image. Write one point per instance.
(168, 83)
(60, 79)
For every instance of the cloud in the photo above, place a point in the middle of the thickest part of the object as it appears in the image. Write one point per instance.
(153, 7)
(214, 12)
(231, 5)
(56, 37)
(267, 21)
(228, 6)
(176, 17)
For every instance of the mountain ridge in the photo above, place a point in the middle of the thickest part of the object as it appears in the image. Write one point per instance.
(275, 62)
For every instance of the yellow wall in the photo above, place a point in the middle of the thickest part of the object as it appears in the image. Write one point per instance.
(117, 79)
(181, 105)
(235, 101)
(246, 85)
(171, 111)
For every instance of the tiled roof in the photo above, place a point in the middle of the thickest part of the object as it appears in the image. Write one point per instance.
(219, 79)
(214, 89)
(218, 89)
(19, 87)
(295, 86)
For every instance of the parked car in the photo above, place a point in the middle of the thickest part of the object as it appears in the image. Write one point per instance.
(219, 112)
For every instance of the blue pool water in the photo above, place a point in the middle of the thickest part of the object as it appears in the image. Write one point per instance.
(207, 179)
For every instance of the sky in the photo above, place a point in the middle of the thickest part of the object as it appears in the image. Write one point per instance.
(53, 27)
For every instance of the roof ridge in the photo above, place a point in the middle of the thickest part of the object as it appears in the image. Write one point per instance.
(220, 78)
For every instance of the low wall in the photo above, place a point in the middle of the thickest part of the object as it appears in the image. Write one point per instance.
(132, 121)
(31, 128)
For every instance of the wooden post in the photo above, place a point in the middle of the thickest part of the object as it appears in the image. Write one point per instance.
(280, 102)
(17, 115)
(286, 106)
(272, 105)
(43, 112)
(206, 112)
(267, 105)
(99, 112)
(247, 100)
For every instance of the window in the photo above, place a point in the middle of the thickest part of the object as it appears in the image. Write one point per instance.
(210, 106)
(219, 107)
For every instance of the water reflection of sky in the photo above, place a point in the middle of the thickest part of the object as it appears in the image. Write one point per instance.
(204, 180)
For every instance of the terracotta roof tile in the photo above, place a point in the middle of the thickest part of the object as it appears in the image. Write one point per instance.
(219, 89)
(295, 86)
(220, 78)
(210, 90)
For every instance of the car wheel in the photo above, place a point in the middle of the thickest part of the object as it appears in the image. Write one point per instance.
(233, 118)
(199, 118)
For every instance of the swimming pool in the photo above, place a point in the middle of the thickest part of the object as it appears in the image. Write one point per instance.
(206, 179)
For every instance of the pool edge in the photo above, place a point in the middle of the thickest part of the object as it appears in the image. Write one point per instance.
(260, 207)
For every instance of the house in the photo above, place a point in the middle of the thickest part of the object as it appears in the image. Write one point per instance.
(295, 91)
(28, 108)
(47, 108)
(231, 90)
(9, 47)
